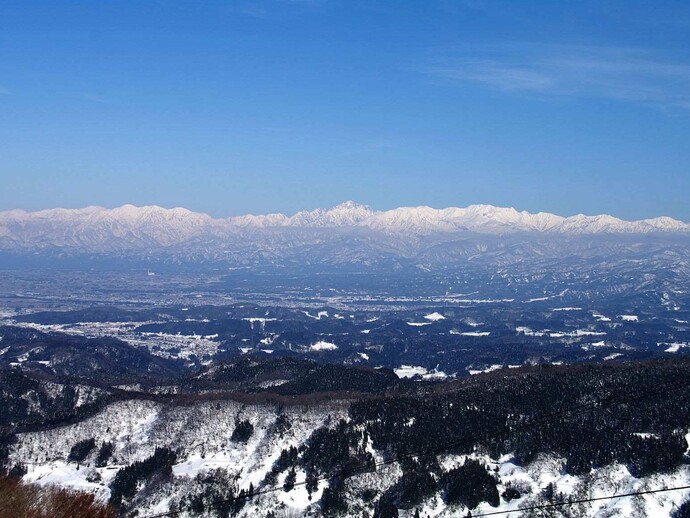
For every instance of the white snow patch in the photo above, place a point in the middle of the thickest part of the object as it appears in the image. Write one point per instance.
(613, 356)
(260, 320)
(435, 374)
(318, 316)
(65, 475)
(268, 340)
(528, 332)
(601, 318)
(273, 383)
(576, 333)
(646, 435)
(488, 369)
(473, 323)
(674, 347)
(322, 345)
(409, 371)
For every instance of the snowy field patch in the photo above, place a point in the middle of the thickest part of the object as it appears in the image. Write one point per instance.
(613, 356)
(491, 368)
(674, 347)
(322, 345)
(410, 371)
(601, 318)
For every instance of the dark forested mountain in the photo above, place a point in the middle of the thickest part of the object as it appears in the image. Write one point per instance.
(60, 354)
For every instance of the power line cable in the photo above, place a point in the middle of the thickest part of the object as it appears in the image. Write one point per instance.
(581, 501)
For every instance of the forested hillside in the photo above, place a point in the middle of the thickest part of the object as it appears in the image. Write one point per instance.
(503, 440)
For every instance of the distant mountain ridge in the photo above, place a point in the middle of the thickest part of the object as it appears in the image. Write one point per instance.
(474, 218)
(419, 220)
(348, 233)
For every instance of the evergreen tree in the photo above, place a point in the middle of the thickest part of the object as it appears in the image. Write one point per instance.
(289, 484)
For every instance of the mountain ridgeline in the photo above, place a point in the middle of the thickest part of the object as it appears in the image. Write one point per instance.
(348, 234)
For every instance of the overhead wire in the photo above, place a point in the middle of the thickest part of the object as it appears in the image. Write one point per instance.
(565, 503)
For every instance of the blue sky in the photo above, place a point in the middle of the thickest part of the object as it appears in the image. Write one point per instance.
(279, 105)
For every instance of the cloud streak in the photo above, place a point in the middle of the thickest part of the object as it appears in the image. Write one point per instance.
(623, 74)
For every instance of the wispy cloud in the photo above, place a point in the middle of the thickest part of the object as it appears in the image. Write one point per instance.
(624, 74)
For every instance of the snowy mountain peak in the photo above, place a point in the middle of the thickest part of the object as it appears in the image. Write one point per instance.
(350, 205)
(348, 213)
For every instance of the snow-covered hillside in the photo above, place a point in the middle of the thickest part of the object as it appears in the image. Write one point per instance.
(201, 435)
(492, 443)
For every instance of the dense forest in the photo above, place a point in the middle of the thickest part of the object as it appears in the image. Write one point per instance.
(633, 414)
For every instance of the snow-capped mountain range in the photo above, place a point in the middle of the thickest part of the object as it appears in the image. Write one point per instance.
(474, 218)
(347, 233)
(180, 222)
